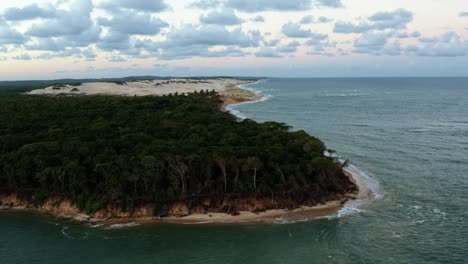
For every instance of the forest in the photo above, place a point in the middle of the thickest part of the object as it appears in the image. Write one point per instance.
(127, 152)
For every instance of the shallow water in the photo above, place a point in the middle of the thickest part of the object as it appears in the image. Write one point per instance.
(410, 134)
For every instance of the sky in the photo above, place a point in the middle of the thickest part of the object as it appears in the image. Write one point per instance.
(53, 39)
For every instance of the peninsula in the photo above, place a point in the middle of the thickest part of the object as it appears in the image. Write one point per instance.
(161, 150)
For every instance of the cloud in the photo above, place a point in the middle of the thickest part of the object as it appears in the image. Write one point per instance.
(223, 17)
(133, 23)
(323, 19)
(403, 34)
(267, 52)
(376, 43)
(330, 3)
(307, 19)
(68, 22)
(397, 19)
(211, 35)
(271, 43)
(84, 39)
(29, 12)
(9, 35)
(370, 43)
(295, 31)
(280, 5)
(415, 34)
(87, 54)
(23, 56)
(347, 27)
(205, 4)
(152, 6)
(115, 41)
(116, 59)
(320, 43)
(258, 19)
(289, 48)
(198, 41)
(269, 5)
(449, 44)
(200, 51)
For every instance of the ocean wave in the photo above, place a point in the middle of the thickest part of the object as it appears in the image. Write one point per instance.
(232, 108)
(119, 226)
(357, 206)
(343, 95)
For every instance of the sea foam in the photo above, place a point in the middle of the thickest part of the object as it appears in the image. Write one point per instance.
(232, 108)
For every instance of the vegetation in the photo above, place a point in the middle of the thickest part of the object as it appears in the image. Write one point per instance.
(131, 151)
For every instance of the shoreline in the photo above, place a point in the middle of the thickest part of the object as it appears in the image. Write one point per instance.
(231, 93)
(274, 216)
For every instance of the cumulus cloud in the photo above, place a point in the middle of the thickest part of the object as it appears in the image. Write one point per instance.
(293, 30)
(115, 41)
(84, 39)
(377, 43)
(23, 56)
(280, 5)
(29, 12)
(9, 35)
(258, 19)
(210, 35)
(320, 43)
(404, 34)
(197, 41)
(329, 3)
(397, 19)
(200, 51)
(87, 54)
(449, 44)
(223, 17)
(205, 4)
(370, 43)
(323, 19)
(133, 23)
(74, 21)
(268, 5)
(348, 27)
(307, 19)
(267, 52)
(138, 5)
(289, 48)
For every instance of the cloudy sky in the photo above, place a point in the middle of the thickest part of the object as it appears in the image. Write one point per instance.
(46, 39)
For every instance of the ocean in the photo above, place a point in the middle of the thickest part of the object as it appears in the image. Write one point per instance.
(408, 135)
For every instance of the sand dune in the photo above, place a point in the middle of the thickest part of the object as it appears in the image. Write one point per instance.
(145, 88)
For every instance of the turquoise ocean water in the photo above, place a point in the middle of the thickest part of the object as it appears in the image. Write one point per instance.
(408, 134)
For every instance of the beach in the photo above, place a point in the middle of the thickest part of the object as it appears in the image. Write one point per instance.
(64, 209)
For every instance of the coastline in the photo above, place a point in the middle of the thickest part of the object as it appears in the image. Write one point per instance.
(274, 216)
(231, 93)
(279, 216)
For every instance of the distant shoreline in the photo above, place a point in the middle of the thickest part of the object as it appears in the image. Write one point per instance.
(223, 86)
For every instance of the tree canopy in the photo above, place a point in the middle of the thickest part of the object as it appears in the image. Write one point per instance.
(129, 151)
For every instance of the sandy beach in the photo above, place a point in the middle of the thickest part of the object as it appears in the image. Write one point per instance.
(279, 216)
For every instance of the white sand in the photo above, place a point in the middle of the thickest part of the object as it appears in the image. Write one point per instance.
(143, 88)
